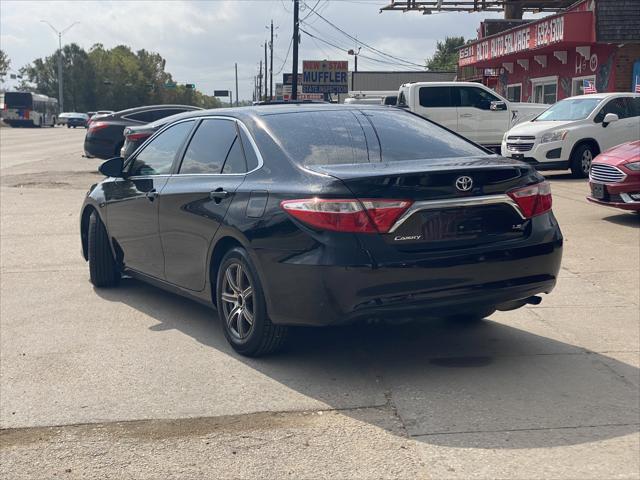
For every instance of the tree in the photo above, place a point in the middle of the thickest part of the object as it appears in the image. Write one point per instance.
(446, 56)
(5, 63)
(110, 79)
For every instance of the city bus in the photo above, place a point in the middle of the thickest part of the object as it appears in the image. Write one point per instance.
(28, 109)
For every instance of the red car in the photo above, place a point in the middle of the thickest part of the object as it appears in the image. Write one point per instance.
(615, 177)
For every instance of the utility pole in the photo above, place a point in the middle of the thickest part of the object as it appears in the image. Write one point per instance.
(271, 65)
(266, 84)
(296, 36)
(260, 82)
(236, 84)
(60, 77)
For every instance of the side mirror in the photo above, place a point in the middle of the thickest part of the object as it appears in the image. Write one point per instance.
(609, 118)
(112, 167)
(497, 106)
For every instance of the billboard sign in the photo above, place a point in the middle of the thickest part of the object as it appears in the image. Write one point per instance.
(221, 93)
(325, 76)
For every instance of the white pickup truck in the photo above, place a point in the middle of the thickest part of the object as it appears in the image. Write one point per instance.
(470, 109)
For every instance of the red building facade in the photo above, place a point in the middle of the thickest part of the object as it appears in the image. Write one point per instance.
(548, 59)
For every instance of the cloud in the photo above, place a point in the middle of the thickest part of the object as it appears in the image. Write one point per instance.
(201, 40)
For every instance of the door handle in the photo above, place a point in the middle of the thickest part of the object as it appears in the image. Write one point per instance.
(218, 194)
(151, 195)
(466, 115)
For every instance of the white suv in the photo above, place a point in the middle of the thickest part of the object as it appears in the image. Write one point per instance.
(573, 131)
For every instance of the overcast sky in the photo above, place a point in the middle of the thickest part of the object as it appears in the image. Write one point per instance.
(202, 39)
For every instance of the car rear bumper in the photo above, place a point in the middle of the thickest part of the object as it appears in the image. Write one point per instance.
(100, 148)
(443, 283)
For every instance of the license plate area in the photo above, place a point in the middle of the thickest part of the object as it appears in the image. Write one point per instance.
(598, 190)
(476, 224)
(518, 156)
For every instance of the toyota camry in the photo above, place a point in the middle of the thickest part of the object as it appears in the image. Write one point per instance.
(322, 215)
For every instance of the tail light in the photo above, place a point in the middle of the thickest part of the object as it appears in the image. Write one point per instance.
(136, 136)
(26, 114)
(94, 126)
(347, 215)
(534, 199)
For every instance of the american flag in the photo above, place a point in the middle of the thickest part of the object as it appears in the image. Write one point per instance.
(588, 87)
(637, 90)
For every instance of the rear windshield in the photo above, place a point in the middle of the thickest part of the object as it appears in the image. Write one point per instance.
(332, 137)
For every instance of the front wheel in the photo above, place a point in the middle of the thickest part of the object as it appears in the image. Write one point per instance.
(103, 269)
(242, 308)
(581, 160)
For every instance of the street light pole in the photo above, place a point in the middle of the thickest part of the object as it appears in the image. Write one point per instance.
(60, 76)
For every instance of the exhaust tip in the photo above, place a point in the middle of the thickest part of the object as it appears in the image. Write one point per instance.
(534, 300)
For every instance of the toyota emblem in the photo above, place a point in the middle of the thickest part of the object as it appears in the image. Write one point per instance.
(464, 183)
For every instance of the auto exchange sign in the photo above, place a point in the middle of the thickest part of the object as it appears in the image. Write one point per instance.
(325, 76)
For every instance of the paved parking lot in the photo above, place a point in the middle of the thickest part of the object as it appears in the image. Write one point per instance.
(136, 382)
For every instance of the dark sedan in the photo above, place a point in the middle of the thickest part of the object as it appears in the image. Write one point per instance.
(135, 136)
(322, 215)
(105, 136)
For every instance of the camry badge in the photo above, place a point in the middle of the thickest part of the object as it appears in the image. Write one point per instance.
(464, 183)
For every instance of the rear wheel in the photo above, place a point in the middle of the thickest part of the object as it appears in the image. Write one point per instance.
(103, 270)
(242, 307)
(581, 160)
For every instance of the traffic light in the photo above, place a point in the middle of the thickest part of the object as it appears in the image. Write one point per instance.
(191, 86)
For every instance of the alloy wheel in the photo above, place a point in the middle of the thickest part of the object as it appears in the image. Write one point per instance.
(237, 301)
(587, 157)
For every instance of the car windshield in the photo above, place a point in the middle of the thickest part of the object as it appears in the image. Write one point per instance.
(330, 137)
(569, 109)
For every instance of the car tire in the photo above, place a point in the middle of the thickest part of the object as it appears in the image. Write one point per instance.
(472, 316)
(103, 269)
(242, 307)
(68, 126)
(581, 159)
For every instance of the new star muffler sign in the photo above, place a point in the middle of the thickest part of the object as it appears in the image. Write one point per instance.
(325, 76)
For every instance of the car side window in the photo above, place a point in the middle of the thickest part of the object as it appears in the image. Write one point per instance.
(635, 106)
(436, 97)
(146, 116)
(249, 151)
(158, 155)
(166, 112)
(476, 97)
(617, 106)
(209, 147)
(235, 162)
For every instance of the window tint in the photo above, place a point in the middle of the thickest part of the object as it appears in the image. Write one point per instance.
(404, 136)
(617, 106)
(249, 151)
(320, 138)
(337, 137)
(157, 157)
(436, 97)
(475, 97)
(146, 116)
(209, 147)
(235, 159)
(166, 112)
(635, 106)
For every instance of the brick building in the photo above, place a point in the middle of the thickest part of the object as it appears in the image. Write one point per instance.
(548, 59)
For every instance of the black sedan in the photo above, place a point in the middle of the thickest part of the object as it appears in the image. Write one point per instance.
(105, 137)
(322, 215)
(135, 136)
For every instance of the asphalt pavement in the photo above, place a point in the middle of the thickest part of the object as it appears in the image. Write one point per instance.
(134, 382)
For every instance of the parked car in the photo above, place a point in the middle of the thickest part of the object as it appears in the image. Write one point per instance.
(105, 137)
(615, 177)
(322, 214)
(574, 130)
(62, 118)
(77, 120)
(468, 108)
(135, 136)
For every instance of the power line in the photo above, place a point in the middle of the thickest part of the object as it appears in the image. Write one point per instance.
(286, 57)
(369, 47)
(342, 49)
